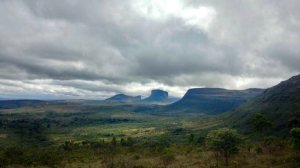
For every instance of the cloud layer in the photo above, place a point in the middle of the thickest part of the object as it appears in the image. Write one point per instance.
(94, 49)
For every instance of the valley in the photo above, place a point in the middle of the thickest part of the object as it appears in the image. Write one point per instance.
(149, 84)
(85, 133)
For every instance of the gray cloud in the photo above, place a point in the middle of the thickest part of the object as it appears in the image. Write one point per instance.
(94, 49)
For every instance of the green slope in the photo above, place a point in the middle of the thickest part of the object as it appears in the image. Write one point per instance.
(278, 104)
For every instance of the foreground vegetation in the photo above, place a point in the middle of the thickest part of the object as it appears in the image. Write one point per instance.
(270, 152)
(57, 136)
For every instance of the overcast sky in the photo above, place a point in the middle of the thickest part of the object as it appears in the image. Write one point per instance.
(97, 48)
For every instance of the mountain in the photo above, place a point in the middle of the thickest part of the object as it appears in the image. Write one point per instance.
(122, 98)
(278, 104)
(212, 100)
(159, 97)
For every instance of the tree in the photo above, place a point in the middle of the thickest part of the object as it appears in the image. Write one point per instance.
(294, 122)
(122, 142)
(295, 132)
(201, 140)
(224, 141)
(191, 138)
(114, 141)
(260, 122)
(129, 141)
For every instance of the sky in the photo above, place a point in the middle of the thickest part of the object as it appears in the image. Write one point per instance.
(93, 49)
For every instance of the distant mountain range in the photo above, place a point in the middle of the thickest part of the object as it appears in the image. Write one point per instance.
(212, 100)
(278, 104)
(11, 104)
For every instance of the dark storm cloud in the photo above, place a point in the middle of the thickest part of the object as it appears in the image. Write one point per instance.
(97, 48)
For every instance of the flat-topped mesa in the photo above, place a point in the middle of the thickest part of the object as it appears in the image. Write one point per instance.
(212, 100)
(157, 95)
(122, 98)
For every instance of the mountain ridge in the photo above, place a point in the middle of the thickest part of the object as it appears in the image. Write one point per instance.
(212, 100)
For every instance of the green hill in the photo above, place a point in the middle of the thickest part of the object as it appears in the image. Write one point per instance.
(279, 104)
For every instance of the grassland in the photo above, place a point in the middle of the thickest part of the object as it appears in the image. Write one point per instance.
(91, 135)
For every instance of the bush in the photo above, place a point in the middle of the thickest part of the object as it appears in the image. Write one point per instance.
(224, 141)
(114, 141)
(191, 138)
(201, 140)
(128, 142)
(261, 123)
(294, 122)
(258, 150)
(295, 132)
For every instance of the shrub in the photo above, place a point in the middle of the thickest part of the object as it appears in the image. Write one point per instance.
(201, 140)
(261, 123)
(224, 141)
(295, 132)
(191, 138)
(258, 150)
(114, 141)
(129, 141)
(294, 122)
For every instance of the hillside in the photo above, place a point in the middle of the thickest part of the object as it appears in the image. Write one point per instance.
(278, 104)
(212, 100)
